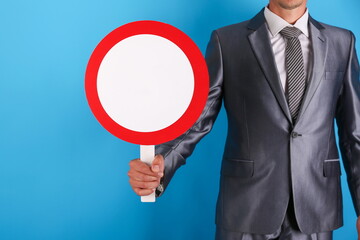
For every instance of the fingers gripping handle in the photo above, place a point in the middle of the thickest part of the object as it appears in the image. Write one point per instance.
(147, 155)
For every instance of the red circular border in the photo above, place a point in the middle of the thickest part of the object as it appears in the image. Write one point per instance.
(201, 82)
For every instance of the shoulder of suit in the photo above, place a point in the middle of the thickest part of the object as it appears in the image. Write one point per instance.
(233, 28)
(334, 31)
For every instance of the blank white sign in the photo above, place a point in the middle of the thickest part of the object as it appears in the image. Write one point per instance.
(145, 83)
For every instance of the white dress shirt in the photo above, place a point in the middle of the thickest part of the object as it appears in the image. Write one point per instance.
(275, 24)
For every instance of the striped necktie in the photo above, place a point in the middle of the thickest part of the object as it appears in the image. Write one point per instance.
(294, 61)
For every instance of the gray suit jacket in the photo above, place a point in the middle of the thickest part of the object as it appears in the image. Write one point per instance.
(267, 157)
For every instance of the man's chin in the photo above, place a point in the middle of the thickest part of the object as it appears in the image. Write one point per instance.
(290, 6)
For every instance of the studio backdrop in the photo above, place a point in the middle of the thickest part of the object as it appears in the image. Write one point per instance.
(62, 175)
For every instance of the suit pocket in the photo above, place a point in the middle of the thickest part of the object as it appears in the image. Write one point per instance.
(333, 76)
(237, 168)
(332, 168)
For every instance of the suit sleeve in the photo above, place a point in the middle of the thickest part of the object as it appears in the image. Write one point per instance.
(177, 151)
(348, 121)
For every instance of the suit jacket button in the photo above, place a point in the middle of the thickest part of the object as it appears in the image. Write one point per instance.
(294, 134)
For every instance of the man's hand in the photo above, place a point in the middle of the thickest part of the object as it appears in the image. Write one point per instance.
(144, 179)
(358, 227)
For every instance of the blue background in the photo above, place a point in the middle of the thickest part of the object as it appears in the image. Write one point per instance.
(62, 176)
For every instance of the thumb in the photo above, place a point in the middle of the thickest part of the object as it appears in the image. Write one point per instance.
(158, 164)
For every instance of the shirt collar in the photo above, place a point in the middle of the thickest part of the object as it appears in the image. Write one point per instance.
(276, 23)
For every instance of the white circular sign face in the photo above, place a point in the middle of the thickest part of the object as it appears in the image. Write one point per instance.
(145, 83)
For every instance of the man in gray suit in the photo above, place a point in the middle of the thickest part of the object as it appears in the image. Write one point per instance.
(284, 78)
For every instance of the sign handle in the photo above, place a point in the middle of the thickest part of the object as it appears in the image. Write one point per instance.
(147, 155)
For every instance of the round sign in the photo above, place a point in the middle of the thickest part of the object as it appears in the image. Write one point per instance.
(146, 82)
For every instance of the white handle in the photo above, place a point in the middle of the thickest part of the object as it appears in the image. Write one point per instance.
(147, 155)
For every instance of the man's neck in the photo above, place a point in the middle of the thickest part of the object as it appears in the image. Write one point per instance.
(291, 16)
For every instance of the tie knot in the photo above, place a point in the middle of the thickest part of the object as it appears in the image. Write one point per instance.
(290, 32)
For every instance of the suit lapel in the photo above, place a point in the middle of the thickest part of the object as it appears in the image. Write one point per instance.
(260, 43)
(319, 47)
